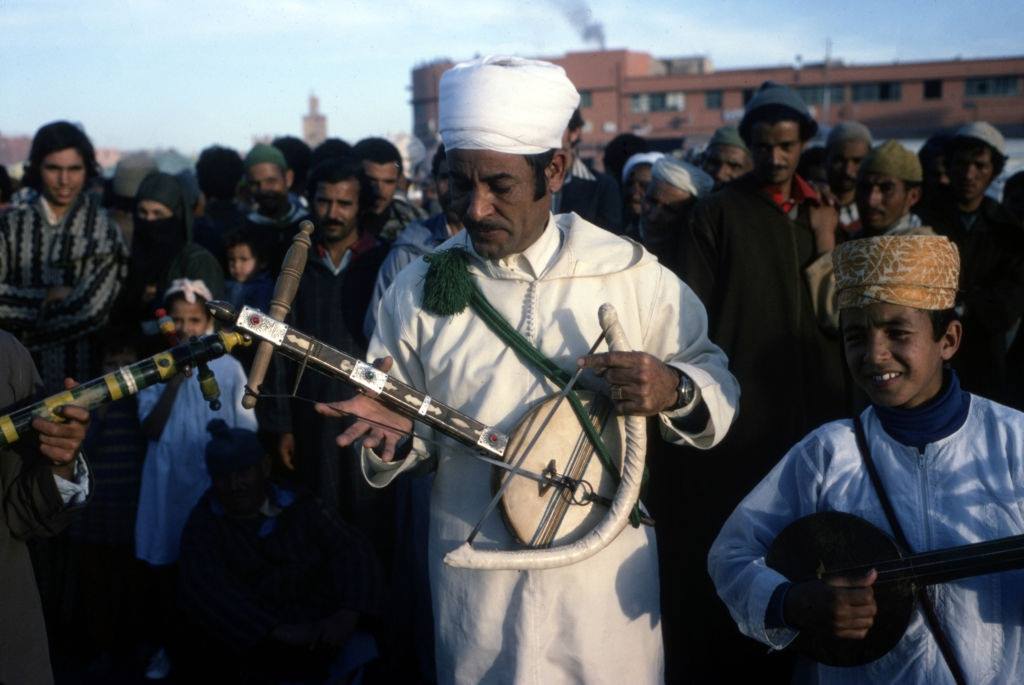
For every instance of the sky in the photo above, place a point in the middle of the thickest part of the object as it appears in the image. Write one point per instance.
(175, 73)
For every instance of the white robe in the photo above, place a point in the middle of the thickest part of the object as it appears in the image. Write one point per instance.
(597, 621)
(965, 488)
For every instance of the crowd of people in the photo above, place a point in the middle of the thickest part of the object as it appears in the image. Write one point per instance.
(770, 288)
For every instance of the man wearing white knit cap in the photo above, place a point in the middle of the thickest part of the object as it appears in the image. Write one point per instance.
(597, 620)
(674, 188)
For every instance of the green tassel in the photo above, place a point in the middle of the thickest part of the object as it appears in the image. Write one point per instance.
(448, 284)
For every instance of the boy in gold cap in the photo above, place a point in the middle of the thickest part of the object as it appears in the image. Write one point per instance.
(952, 464)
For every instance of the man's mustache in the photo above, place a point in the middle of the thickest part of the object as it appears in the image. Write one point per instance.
(484, 226)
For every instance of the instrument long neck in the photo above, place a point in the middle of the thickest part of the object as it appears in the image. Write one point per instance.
(403, 398)
(954, 563)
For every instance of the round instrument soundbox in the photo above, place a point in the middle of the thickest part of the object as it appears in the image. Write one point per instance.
(540, 515)
(834, 543)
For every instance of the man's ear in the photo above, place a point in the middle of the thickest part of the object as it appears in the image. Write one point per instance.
(289, 176)
(555, 170)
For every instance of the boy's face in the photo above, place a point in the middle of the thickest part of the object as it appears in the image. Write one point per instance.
(893, 355)
(190, 318)
(241, 262)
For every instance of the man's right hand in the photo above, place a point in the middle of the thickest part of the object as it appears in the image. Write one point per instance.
(382, 430)
(286, 450)
(842, 606)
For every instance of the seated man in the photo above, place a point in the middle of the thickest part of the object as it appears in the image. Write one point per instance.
(951, 462)
(272, 576)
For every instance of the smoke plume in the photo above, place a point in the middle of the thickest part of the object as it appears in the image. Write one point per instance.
(579, 14)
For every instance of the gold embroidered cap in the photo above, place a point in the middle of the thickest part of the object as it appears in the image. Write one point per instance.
(912, 270)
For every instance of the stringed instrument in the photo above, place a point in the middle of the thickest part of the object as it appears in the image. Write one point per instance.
(545, 466)
(833, 543)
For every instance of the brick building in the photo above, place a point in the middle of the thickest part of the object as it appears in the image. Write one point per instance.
(685, 98)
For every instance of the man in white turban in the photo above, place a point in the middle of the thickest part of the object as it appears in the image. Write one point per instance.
(544, 276)
(674, 188)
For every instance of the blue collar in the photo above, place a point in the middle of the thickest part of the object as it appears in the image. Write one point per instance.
(934, 420)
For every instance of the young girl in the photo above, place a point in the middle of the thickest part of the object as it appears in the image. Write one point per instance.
(174, 416)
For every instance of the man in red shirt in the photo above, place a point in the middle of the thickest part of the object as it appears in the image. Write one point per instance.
(745, 256)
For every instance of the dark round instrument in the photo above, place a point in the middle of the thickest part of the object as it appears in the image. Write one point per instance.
(833, 544)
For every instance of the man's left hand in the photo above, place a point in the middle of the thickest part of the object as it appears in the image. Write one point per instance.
(642, 385)
(59, 442)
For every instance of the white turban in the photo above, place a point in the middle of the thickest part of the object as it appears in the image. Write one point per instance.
(506, 104)
(682, 175)
(639, 158)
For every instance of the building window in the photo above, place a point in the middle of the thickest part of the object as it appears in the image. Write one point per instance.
(881, 91)
(992, 86)
(815, 95)
(933, 89)
(748, 93)
(585, 99)
(713, 99)
(658, 102)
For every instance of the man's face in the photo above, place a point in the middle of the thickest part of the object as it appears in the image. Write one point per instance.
(383, 179)
(970, 174)
(241, 262)
(63, 176)
(842, 162)
(665, 207)
(893, 355)
(493, 195)
(726, 162)
(190, 318)
(243, 491)
(268, 185)
(776, 150)
(636, 187)
(883, 200)
(336, 209)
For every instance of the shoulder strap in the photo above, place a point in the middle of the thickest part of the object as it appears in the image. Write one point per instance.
(927, 608)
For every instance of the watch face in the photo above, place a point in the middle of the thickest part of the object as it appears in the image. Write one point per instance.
(686, 390)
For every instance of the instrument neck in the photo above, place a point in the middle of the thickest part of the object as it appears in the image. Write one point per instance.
(946, 565)
(402, 398)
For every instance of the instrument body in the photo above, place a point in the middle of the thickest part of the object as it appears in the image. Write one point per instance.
(835, 543)
(538, 515)
(127, 380)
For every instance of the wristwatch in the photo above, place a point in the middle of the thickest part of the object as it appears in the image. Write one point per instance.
(686, 391)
